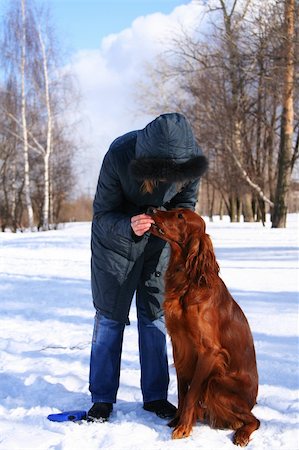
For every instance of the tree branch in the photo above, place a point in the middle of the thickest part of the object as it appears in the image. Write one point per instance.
(20, 138)
(39, 148)
(248, 179)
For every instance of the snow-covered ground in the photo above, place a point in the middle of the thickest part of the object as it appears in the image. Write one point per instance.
(46, 322)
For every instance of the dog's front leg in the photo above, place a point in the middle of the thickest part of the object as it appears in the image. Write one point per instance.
(182, 391)
(188, 414)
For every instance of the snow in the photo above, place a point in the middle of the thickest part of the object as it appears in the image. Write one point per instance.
(46, 322)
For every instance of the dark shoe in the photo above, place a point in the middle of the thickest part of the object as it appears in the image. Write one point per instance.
(162, 408)
(99, 412)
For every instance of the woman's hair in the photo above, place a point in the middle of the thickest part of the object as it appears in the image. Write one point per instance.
(148, 186)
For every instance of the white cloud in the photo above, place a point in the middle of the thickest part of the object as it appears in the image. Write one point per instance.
(108, 78)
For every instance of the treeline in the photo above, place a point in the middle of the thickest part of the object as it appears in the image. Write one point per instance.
(36, 142)
(237, 81)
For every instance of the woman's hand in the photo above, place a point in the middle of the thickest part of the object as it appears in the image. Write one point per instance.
(141, 224)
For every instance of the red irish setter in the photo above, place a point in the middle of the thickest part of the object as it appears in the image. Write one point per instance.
(213, 349)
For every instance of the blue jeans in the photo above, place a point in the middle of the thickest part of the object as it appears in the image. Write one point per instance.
(106, 356)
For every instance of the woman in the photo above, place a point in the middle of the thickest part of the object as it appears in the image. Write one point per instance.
(158, 166)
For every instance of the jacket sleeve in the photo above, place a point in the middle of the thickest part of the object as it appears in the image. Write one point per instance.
(186, 198)
(108, 202)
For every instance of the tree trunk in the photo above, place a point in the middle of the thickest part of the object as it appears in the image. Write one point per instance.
(247, 207)
(210, 200)
(46, 202)
(287, 119)
(239, 209)
(14, 198)
(233, 208)
(261, 212)
(24, 123)
(221, 209)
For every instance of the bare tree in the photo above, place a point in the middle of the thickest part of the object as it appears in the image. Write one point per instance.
(11, 163)
(48, 147)
(286, 154)
(44, 93)
(23, 117)
(229, 85)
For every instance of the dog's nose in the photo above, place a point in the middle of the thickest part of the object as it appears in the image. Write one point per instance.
(151, 210)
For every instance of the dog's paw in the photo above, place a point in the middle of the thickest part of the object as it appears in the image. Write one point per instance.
(241, 438)
(181, 431)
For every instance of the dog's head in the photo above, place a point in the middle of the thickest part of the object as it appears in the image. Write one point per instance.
(177, 225)
(185, 230)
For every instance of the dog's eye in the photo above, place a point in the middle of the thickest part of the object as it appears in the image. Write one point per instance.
(180, 216)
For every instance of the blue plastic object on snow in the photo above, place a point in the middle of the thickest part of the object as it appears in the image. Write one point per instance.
(68, 416)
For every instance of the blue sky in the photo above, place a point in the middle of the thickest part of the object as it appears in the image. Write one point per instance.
(85, 22)
(81, 24)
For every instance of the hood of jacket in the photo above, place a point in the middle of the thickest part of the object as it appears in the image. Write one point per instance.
(166, 150)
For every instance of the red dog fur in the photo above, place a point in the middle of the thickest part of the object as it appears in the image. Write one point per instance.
(212, 343)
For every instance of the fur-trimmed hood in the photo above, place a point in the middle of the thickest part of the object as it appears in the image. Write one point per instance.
(166, 150)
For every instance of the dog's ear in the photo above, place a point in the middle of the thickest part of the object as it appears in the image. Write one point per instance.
(210, 264)
(201, 261)
(193, 255)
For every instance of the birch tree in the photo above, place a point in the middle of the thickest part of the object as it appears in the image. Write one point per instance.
(24, 117)
(48, 148)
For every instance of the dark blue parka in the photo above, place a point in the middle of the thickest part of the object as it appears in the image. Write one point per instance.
(164, 150)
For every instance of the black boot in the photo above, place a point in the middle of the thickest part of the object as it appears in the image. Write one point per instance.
(99, 412)
(162, 408)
